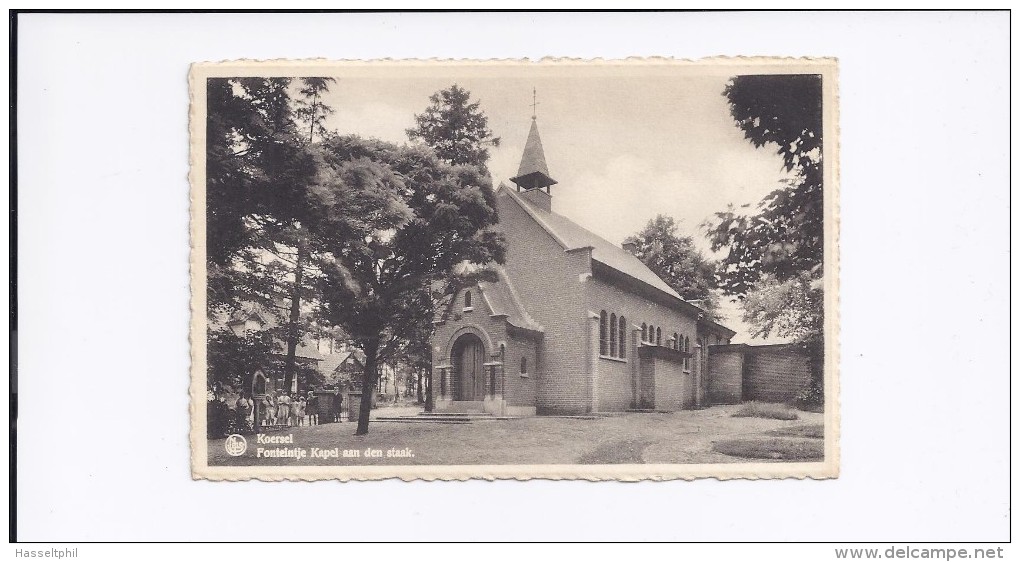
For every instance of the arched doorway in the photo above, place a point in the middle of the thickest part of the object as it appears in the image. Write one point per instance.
(468, 372)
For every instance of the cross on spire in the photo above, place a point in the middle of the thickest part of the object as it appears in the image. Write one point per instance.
(534, 102)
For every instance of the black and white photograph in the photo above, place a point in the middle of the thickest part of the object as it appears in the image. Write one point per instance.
(582, 269)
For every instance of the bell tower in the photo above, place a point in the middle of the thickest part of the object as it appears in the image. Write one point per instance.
(533, 174)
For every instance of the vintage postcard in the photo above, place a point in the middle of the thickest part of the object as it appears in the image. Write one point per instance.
(562, 269)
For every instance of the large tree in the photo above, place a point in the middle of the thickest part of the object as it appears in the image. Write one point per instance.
(455, 128)
(260, 163)
(390, 223)
(674, 258)
(773, 254)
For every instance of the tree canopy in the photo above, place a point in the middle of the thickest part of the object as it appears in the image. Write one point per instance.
(456, 129)
(674, 258)
(391, 222)
(785, 236)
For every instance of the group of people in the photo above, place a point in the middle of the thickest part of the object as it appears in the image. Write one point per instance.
(277, 409)
(235, 413)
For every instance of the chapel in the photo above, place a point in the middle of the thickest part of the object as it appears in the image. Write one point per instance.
(571, 324)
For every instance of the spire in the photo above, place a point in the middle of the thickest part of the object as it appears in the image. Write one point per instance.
(533, 171)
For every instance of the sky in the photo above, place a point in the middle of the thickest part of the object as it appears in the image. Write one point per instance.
(625, 142)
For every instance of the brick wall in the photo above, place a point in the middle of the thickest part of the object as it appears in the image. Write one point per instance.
(766, 373)
(615, 384)
(774, 373)
(520, 391)
(725, 374)
(548, 280)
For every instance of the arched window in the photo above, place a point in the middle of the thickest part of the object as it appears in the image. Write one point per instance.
(687, 349)
(603, 335)
(623, 338)
(612, 334)
(658, 336)
(644, 332)
(676, 341)
(524, 365)
(651, 334)
(467, 299)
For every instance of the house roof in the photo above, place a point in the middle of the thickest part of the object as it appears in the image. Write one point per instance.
(304, 350)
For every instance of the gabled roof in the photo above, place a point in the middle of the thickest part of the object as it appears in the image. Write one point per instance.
(502, 300)
(572, 236)
(607, 256)
(267, 320)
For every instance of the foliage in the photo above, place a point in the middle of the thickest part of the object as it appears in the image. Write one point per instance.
(675, 259)
(309, 107)
(765, 410)
(390, 222)
(233, 358)
(813, 431)
(811, 398)
(454, 128)
(788, 309)
(784, 237)
(774, 448)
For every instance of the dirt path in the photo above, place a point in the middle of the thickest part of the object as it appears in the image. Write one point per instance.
(673, 438)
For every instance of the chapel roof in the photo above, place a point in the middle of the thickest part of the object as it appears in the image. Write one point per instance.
(573, 236)
(502, 299)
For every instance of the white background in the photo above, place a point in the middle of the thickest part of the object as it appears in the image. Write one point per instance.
(103, 285)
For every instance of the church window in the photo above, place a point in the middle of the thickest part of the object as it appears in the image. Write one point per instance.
(623, 338)
(651, 334)
(524, 365)
(644, 332)
(467, 300)
(658, 336)
(676, 341)
(612, 334)
(603, 336)
(687, 349)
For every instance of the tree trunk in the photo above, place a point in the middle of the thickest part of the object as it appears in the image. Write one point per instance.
(368, 382)
(429, 405)
(417, 385)
(295, 316)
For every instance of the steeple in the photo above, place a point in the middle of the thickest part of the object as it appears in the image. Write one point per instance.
(533, 172)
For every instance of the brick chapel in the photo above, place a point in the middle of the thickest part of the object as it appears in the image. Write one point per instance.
(574, 324)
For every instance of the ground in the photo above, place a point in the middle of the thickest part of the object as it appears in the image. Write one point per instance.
(630, 438)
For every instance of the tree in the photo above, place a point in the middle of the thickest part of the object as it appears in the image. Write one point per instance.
(312, 111)
(675, 259)
(391, 222)
(774, 256)
(259, 166)
(458, 131)
(785, 237)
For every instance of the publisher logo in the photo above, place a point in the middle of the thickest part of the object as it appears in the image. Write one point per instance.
(235, 445)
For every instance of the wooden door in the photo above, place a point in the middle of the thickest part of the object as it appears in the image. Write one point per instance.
(471, 373)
